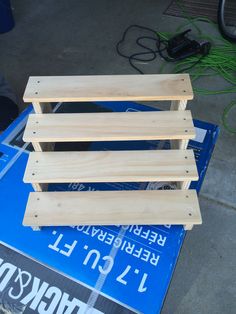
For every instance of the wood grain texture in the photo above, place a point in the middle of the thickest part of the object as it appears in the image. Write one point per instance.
(148, 207)
(107, 126)
(42, 107)
(111, 166)
(178, 105)
(108, 88)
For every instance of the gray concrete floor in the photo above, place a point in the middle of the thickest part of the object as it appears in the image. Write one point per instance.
(78, 37)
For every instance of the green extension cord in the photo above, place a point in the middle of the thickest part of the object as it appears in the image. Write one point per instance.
(221, 61)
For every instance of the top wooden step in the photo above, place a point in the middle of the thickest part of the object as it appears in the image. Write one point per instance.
(108, 88)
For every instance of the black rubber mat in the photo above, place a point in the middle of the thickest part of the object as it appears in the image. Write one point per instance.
(202, 8)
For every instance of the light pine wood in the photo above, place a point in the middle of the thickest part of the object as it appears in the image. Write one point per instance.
(111, 166)
(148, 207)
(178, 105)
(108, 88)
(110, 207)
(40, 147)
(179, 144)
(40, 187)
(158, 125)
(42, 107)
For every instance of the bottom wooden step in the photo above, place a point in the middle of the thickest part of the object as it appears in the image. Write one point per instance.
(148, 207)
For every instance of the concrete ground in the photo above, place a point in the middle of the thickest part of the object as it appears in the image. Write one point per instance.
(78, 37)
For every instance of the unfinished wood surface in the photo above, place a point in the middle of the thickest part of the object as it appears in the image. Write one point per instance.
(178, 105)
(158, 125)
(148, 207)
(42, 147)
(111, 166)
(42, 107)
(108, 88)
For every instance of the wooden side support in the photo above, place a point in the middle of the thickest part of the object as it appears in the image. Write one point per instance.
(40, 107)
(178, 104)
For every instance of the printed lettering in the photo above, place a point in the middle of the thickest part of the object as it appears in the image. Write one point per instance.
(145, 234)
(35, 294)
(153, 237)
(55, 294)
(96, 259)
(162, 240)
(7, 270)
(142, 283)
(102, 235)
(137, 252)
(121, 277)
(109, 239)
(117, 242)
(138, 230)
(145, 256)
(70, 248)
(107, 266)
(22, 284)
(154, 260)
(130, 248)
(55, 245)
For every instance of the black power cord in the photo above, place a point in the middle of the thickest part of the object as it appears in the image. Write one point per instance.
(148, 54)
(177, 48)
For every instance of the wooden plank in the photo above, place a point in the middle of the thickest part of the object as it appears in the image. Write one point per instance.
(108, 88)
(158, 125)
(148, 207)
(111, 166)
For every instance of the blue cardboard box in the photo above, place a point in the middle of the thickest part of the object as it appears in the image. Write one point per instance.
(112, 269)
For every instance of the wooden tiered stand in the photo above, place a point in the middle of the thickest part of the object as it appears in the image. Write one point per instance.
(145, 207)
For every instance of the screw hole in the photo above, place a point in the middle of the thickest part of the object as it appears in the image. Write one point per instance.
(38, 81)
(186, 157)
(36, 216)
(36, 161)
(33, 174)
(184, 91)
(189, 214)
(34, 132)
(37, 122)
(185, 119)
(182, 79)
(186, 131)
(36, 93)
(186, 196)
(38, 199)
(187, 171)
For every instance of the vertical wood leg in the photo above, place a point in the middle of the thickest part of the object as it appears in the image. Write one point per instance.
(40, 107)
(188, 227)
(178, 105)
(40, 187)
(184, 185)
(43, 147)
(36, 228)
(179, 144)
